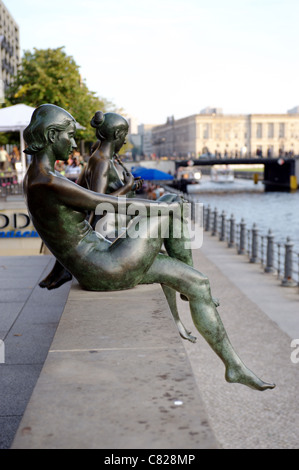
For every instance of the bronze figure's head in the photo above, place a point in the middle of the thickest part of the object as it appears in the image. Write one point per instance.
(46, 120)
(110, 127)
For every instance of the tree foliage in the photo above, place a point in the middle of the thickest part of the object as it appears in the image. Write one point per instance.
(50, 76)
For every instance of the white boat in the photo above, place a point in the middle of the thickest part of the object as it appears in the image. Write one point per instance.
(222, 174)
(189, 178)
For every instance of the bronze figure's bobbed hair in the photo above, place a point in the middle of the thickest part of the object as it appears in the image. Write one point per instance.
(44, 118)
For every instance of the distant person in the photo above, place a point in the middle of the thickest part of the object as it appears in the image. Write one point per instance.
(60, 167)
(4, 157)
(73, 169)
(14, 157)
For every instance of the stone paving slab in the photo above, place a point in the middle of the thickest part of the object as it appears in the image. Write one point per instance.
(116, 377)
(28, 320)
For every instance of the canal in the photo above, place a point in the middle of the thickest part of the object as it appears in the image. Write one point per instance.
(278, 211)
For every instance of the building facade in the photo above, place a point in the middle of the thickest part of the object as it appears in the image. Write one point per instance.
(146, 138)
(265, 135)
(9, 47)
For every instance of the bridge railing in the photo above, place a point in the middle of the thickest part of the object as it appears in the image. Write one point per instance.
(276, 257)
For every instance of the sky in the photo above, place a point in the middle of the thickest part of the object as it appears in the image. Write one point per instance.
(160, 58)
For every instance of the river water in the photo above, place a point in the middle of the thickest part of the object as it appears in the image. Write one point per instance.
(278, 211)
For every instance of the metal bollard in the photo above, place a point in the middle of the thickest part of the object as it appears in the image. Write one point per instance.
(241, 250)
(193, 207)
(187, 201)
(270, 254)
(207, 219)
(204, 217)
(197, 211)
(278, 260)
(254, 244)
(222, 227)
(262, 250)
(288, 265)
(231, 240)
(215, 220)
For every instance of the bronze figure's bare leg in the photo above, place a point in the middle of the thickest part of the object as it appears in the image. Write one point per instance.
(184, 255)
(178, 276)
(205, 317)
(170, 295)
(179, 250)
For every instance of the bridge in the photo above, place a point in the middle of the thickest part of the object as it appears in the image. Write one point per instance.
(280, 174)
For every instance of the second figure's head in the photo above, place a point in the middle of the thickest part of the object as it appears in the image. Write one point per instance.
(110, 127)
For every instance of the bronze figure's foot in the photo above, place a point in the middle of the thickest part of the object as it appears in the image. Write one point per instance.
(53, 282)
(241, 374)
(185, 334)
(216, 301)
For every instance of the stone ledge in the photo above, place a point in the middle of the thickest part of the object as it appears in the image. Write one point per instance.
(116, 377)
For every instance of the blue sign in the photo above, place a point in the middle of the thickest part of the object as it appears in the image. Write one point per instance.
(16, 225)
(19, 234)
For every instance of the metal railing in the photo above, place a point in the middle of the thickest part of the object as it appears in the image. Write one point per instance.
(278, 258)
(274, 257)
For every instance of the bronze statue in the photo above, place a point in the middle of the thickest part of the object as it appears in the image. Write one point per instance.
(103, 174)
(58, 208)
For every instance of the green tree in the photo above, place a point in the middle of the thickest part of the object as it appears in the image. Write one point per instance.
(50, 76)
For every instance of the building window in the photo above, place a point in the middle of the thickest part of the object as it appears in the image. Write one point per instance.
(259, 130)
(270, 151)
(206, 131)
(281, 129)
(270, 130)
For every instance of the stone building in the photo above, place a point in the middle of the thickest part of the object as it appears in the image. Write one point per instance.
(9, 47)
(145, 132)
(212, 132)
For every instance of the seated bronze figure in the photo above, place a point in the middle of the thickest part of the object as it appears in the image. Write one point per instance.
(58, 208)
(104, 173)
